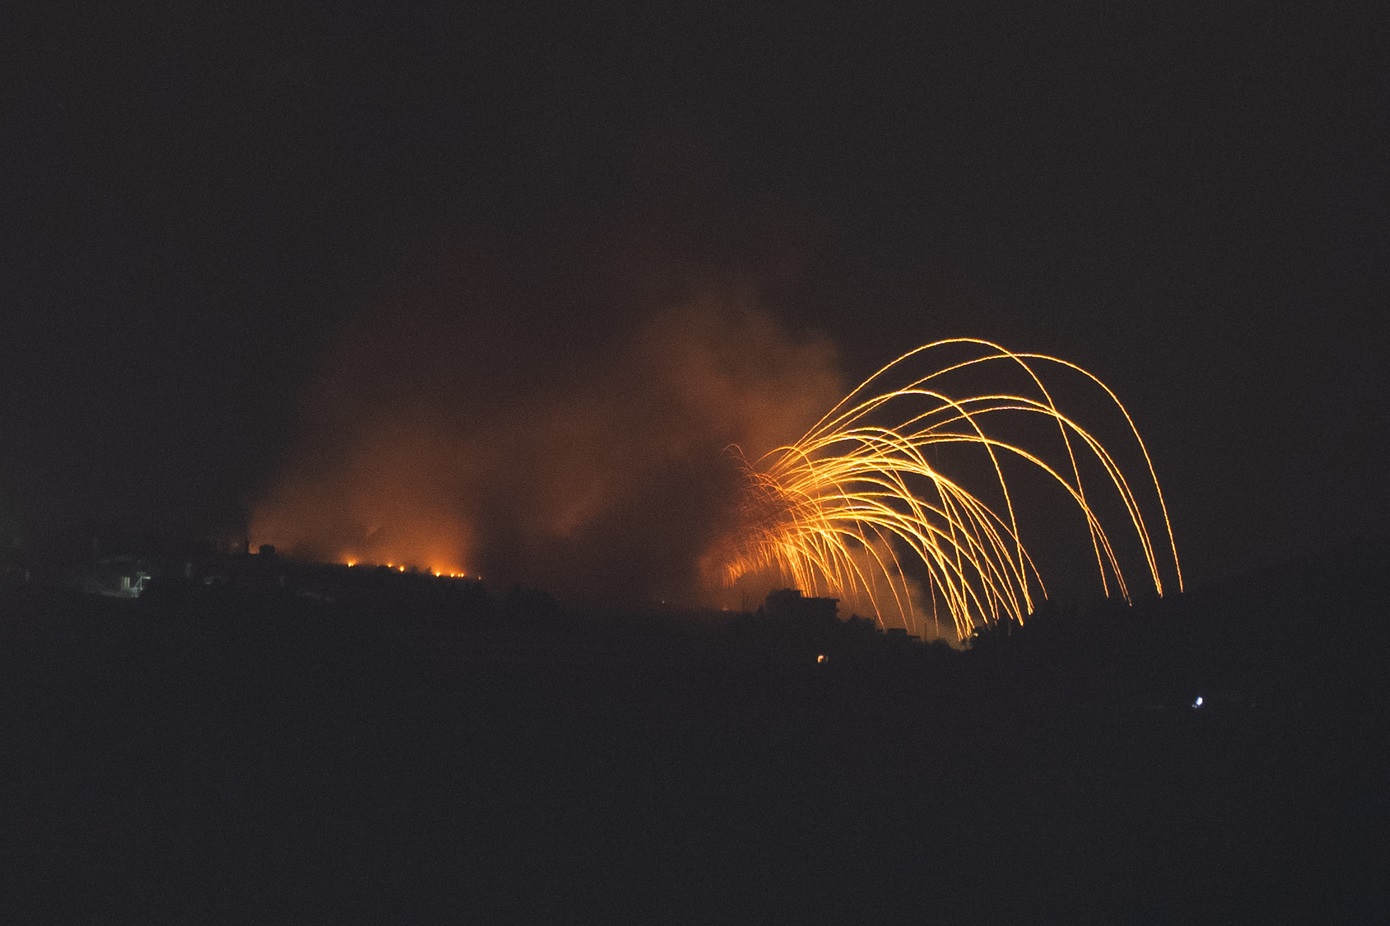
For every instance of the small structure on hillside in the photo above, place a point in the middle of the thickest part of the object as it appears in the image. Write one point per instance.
(116, 577)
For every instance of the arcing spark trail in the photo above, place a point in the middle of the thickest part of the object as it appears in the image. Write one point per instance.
(856, 509)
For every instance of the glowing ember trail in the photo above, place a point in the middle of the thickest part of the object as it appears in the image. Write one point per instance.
(857, 509)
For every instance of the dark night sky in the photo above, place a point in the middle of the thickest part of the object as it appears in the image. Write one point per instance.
(198, 199)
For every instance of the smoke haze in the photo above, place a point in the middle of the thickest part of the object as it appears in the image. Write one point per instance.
(447, 433)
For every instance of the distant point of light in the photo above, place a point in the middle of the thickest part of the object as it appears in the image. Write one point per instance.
(820, 659)
(1198, 703)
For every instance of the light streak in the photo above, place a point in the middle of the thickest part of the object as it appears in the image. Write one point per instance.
(857, 509)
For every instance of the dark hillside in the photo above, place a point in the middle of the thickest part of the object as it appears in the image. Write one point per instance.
(215, 757)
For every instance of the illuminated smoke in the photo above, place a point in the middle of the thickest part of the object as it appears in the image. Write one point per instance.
(615, 465)
(593, 467)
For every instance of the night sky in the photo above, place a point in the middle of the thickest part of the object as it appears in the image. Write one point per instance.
(217, 215)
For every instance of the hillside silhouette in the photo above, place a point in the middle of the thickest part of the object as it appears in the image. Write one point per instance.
(436, 750)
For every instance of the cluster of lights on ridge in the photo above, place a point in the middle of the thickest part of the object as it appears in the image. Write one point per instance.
(856, 507)
(437, 573)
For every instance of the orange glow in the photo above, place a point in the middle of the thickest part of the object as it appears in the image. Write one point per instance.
(843, 510)
(385, 500)
(414, 450)
(437, 572)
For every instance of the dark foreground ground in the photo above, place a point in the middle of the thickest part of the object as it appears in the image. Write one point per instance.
(223, 761)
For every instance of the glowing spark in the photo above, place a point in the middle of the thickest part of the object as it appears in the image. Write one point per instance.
(857, 498)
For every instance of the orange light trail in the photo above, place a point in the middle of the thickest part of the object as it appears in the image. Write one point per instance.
(845, 508)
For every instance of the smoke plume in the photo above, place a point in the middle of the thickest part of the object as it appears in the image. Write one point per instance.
(456, 435)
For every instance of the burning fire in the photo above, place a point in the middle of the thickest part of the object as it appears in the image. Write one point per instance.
(596, 473)
(438, 573)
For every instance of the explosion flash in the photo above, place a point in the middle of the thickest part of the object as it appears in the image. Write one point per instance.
(857, 508)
